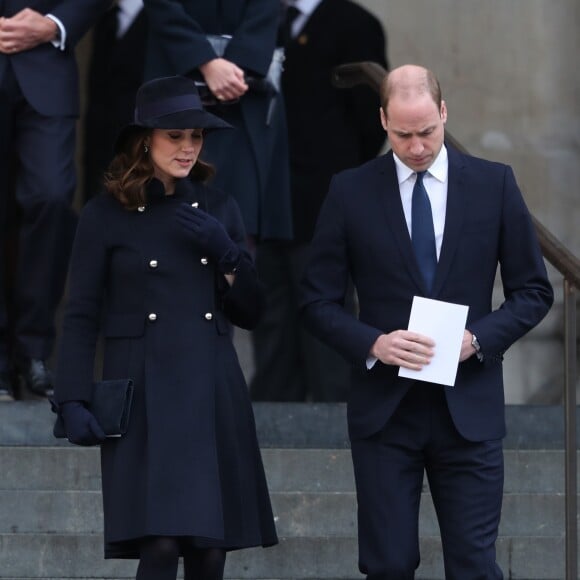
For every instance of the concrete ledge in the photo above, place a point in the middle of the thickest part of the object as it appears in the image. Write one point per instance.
(297, 425)
(297, 514)
(288, 470)
(44, 556)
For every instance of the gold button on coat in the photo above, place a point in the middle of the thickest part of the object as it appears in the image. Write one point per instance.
(141, 208)
(208, 315)
(153, 263)
(204, 261)
(152, 317)
(195, 204)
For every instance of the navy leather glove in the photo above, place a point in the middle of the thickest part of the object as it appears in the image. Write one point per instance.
(80, 425)
(210, 236)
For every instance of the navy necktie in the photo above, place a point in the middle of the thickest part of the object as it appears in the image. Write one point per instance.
(423, 232)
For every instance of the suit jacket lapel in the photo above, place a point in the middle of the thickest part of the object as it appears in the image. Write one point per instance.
(454, 215)
(388, 186)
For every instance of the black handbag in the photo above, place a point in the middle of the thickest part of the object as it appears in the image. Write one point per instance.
(110, 404)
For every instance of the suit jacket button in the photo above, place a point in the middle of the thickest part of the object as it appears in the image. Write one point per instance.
(208, 315)
(153, 263)
(195, 204)
(141, 208)
(204, 261)
(152, 317)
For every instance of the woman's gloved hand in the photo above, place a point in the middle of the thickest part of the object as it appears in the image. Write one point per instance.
(210, 236)
(80, 425)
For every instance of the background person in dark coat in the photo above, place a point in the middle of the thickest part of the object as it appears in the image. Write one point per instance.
(115, 73)
(400, 428)
(329, 130)
(252, 160)
(159, 267)
(39, 103)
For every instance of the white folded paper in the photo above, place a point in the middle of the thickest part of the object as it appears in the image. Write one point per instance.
(443, 322)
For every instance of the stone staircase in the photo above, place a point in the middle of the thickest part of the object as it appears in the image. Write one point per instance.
(51, 521)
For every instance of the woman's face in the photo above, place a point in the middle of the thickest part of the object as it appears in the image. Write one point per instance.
(173, 153)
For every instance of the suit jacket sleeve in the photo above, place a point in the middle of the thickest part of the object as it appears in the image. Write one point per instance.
(77, 16)
(325, 283)
(254, 40)
(527, 290)
(181, 34)
(87, 274)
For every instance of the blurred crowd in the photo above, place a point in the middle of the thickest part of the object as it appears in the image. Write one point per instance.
(291, 135)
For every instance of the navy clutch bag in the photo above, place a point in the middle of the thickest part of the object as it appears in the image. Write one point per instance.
(110, 404)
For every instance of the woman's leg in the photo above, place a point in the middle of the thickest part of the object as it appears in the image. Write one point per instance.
(203, 563)
(159, 558)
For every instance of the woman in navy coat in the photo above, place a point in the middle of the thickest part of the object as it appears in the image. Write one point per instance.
(159, 268)
(259, 177)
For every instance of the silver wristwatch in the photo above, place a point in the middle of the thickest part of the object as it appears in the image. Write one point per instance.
(475, 344)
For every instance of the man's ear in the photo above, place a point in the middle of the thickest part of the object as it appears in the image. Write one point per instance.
(383, 118)
(443, 112)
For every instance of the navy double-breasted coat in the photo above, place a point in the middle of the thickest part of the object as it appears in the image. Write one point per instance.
(252, 161)
(189, 464)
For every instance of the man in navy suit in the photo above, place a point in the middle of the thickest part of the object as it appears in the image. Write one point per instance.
(400, 428)
(39, 103)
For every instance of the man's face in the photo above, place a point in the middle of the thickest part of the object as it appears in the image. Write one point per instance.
(415, 128)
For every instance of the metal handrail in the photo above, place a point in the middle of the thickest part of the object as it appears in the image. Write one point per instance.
(372, 74)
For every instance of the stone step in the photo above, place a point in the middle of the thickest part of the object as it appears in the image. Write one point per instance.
(58, 556)
(77, 468)
(304, 514)
(299, 425)
(50, 506)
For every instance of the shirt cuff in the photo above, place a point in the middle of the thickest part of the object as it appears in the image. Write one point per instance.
(371, 360)
(59, 42)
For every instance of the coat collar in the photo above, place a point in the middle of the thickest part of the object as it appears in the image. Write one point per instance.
(185, 189)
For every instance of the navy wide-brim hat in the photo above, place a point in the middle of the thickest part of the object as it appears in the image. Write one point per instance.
(168, 103)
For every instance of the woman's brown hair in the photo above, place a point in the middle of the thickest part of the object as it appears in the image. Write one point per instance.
(131, 170)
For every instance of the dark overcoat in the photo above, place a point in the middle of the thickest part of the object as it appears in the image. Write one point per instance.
(252, 161)
(114, 75)
(329, 129)
(189, 464)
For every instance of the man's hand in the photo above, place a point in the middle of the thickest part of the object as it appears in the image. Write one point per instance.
(224, 79)
(404, 349)
(467, 348)
(25, 30)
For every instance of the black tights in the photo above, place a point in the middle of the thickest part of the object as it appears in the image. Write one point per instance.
(159, 558)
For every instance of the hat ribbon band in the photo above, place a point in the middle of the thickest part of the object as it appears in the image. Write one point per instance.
(168, 106)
